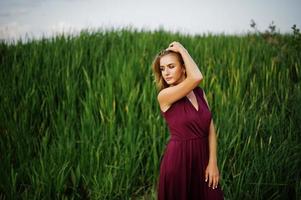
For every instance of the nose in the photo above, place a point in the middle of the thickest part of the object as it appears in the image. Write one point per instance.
(166, 71)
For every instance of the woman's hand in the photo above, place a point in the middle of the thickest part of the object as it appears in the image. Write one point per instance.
(176, 47)
(212, 174)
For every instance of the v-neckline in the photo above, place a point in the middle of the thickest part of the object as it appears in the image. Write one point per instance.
(196, 102)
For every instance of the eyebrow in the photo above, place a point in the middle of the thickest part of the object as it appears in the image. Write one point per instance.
(168, 64)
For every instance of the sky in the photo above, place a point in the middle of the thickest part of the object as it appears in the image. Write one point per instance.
(36, 18)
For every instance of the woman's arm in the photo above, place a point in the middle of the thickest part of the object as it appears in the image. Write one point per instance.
(212, 172)
(169, 95)
(212, 144)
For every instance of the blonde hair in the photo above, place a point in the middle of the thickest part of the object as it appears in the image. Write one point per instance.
(160, 82)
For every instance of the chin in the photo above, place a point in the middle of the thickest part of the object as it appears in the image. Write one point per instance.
(170, 82)
(173, 83)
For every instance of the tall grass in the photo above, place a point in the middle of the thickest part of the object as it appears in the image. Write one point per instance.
(79, 116)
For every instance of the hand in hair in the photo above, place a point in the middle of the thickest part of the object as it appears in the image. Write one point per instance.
(176, 47)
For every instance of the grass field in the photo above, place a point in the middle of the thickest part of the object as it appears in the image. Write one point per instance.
(79, 117)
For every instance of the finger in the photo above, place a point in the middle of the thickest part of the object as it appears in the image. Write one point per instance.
(210, 181)
(217, 181)
(169, 48)
(172, 43)
(206, 176)
(214, 183)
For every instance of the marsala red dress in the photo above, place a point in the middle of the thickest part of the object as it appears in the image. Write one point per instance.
(185, 158)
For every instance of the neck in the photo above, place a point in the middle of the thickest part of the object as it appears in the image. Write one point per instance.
(179, 81)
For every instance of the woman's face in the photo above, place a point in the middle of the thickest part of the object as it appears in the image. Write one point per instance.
(173, 72)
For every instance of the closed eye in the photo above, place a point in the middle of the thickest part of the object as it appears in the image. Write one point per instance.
(170, 66)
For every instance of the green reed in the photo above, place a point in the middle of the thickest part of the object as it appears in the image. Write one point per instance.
(79, 116)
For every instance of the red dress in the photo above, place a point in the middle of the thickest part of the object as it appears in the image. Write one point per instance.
(183, 164)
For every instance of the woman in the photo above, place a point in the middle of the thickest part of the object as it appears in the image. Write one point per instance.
(188, 168)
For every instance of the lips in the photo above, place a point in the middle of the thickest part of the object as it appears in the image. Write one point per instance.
(167, 79)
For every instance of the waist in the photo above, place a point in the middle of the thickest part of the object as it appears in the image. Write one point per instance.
(177, 138)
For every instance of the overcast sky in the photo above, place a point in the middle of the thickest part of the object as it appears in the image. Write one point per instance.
(37, 17)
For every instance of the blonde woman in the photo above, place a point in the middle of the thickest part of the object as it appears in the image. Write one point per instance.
(188, 167)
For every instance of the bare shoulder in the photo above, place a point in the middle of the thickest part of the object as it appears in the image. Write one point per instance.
(169, 95)
(163, 106)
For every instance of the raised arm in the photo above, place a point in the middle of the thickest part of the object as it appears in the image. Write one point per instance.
(193, 78)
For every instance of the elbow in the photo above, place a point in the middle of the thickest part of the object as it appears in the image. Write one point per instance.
(198, 79)
(198, 76)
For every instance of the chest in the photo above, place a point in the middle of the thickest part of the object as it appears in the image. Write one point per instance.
(184, 113)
